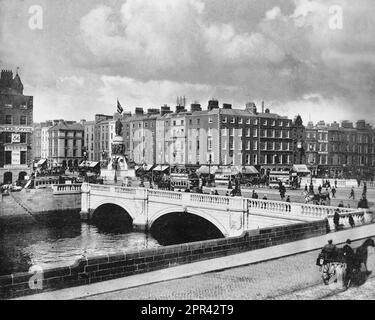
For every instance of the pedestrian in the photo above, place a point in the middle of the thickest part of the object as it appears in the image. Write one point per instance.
(349, 256)
(351, 194)
(336, 183)
(341, 205)
(288, 207)
(333, 192)
(306, 187)
(336, 219)
(351, 220)
(265, 197)
(364, 189)
(320, 189)
(253, 195)
(256, 196)
(329, 252)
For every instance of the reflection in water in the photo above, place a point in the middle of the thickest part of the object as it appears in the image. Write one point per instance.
(48, 246)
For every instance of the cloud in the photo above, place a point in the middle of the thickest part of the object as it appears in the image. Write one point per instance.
(147, 52)
(273, 13)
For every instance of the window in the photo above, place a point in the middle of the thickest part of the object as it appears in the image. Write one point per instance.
(225, 131)
(8, 137)
(248, 132)
(240, 132)
(225, 120)
(240, 120)
(23, 138)
(146, 124)
(23, 120)
(248, 159)
(198, 121)
(209, 132)
(248, 121)
(190, 121)
(182, 122)
(248, 145)
(8, 119)
(231, 132)
(255, 145)
(210, 120)
(209, 144)
(8, 157)
(23, 157)
(255, 132)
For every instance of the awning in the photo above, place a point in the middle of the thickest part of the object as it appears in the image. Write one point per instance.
(207, 170)
(41, 162)
(300, 168)
(88, 164)
(161, 168)
(232, 170)
(144, 168)
(249, 170)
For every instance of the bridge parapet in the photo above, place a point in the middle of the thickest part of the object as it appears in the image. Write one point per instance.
(66, 188)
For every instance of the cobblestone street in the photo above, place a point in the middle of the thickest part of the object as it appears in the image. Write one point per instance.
(289, 278)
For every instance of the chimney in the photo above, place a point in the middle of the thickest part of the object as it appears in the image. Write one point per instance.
(164, 110)
(139, 111)
(153, 111)
(213, 104)
(262, 106)
(227, 106)
(195, 107)
(251, 107)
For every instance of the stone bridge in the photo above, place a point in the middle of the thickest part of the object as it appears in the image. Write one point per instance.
(230, 215)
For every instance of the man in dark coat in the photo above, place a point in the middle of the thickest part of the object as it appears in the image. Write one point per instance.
(336, 219)
(349, 257)
(329, 252)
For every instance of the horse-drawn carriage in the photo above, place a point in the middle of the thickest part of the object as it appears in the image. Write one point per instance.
(340, 267)
(317, 198)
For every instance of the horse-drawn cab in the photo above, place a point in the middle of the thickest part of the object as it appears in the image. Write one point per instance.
(335, 264)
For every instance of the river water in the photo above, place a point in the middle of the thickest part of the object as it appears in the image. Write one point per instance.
(50, 245)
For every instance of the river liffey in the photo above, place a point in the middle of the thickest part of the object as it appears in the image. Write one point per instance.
(49, 245)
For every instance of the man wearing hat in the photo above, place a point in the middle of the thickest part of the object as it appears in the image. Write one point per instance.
(349, 259)
(329, 252)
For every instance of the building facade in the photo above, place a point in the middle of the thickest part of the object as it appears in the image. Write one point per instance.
(66, 144)
(16, 127)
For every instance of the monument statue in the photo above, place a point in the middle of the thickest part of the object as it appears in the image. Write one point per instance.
(118, 127)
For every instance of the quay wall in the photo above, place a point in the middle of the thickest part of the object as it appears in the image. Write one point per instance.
(101, 268)
(37, 205)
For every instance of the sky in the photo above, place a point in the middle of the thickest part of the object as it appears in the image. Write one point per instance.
(314, 58)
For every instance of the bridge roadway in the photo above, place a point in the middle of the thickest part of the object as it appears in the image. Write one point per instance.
(230, 215)
(286, 272)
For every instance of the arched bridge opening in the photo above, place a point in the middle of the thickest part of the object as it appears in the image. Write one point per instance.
(181, 227)
(111, 218)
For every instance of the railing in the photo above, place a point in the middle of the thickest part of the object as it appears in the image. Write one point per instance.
(202, 198)
(164, 194)
(39, 183)
(66, 188)
(269, 206)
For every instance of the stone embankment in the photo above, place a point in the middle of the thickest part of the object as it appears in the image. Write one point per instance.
(29, 206)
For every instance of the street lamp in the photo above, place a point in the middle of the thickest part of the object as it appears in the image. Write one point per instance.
(209, 170)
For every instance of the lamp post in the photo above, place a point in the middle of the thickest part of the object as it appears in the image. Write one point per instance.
(209, 170)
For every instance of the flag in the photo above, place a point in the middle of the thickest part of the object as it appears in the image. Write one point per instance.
(119, 108)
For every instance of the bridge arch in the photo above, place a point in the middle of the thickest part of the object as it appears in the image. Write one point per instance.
(112, 217)
(173, 223)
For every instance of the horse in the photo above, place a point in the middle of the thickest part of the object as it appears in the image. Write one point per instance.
(361, 254)
(317, 198)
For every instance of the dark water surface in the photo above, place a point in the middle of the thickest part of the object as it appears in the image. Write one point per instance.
(53, 244)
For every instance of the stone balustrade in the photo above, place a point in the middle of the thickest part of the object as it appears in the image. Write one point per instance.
(209, 199)
(66, 188)
(164, 194)
(42, 183)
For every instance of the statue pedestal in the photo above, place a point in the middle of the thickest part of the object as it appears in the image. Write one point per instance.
(117, 169)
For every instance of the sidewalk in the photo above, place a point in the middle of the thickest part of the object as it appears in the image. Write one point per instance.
(200, 267)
